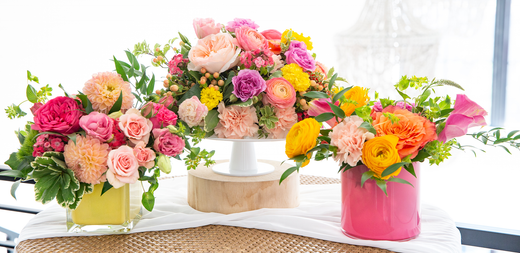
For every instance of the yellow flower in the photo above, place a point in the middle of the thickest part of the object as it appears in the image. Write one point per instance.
(302, 138)
(210, 97)
(381, 152)
(298, 37)
(356, 97)
(295, 75)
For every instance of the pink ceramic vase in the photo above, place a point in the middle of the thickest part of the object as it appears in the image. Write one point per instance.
(367, 213)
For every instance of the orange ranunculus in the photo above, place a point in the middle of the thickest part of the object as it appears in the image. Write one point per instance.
(357, 94)
(379, 153)
(302, 138)
(413, 130)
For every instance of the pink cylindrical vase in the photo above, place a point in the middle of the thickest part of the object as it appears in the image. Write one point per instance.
(367, 213)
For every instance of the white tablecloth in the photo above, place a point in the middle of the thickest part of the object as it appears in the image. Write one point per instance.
(318, 216)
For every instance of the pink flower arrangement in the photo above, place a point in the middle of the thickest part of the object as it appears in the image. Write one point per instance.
(215, 53)
(192, 111)
(205, 26)
(349, 138)
(236, 122)
(240, 22)
(122, 167)
(97, 125)
(465, 114)
(249, 39)
(163, 117)
(279, 93)
(60, 115)
(287, 117)
(167, 143)
(136, 127)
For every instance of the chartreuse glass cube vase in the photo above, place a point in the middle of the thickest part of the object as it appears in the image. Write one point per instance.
(117, 211)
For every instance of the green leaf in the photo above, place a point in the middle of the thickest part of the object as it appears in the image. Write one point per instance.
(399, 180)
(316, 94)
(184, 39)
(151, 86)
(403, 95)
(288, 172)
(507, 150)
(120, 70)
(324, 116)
(332, 81)
(142, 81)
(367, 175)
(211, 120)
(410, 169)
(193, 91)
(132, 59)
(423, 154)
(450, 83)
(382, 185)
(117, 106)
(72, 137)
(331, 72)
(340, 94)
(106, 186)
(14, 187)
(31, 94)
(12, 173)
(247, 103)
(338, 111)
(446, 112)
(512, 133)
(325, 132)
(63, 89)
(276, 74)
(392, 168)
(368, 127)
(229, 78)
(148, 201)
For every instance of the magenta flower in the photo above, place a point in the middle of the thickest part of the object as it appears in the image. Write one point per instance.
(247, 84)
(60, 114)
(319, 106)
(298, 54)
(466, 114)
(239, 22)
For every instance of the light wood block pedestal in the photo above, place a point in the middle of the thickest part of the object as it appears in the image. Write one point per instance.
(211, 192)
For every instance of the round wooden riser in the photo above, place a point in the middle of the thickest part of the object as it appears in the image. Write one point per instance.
(211, 192)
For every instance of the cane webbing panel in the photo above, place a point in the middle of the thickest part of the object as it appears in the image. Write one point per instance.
(212, 238)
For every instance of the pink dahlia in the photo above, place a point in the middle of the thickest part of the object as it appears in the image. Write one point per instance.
(87, 158)
(104, 89)
(286, 119)
(349, 138)
(236, 122)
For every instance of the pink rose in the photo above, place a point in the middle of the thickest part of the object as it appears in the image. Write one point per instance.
(97, 125)
(122, 167)
(205, 26)
(168, 101)
(163, 116)
(60, 114)
(145, 156)
(249, 39)
(35, 107)
(136, 127)
(215, 53)
(349, 138)
(466, 114)
(167, 143)
(192, 111)
(279, 93)
(272, 34)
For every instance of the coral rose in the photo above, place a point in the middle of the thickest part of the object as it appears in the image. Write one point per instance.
(87, 157)
(97, 125)
(350, 139)
(465, 114)
(192, 111)
(322, 69)
(145, 156)
(60, 114)
(272, 34)
(122, 167)
(167, 143)
(236, 122)
(356, 97)
(279, 93)
(413, 130)
(136, 127)
(205, 26)
(379, 153)
(286, 119)
(215, 53)
(302, 138)
(103, 91)
(249, 39)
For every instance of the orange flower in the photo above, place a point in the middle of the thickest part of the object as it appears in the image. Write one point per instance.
(103, 91)
(358, 95)
(302, 138)
(379, 153)
(413, 130)
(87, 157)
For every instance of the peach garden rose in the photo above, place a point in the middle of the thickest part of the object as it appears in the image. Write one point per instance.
(136, 127)
(215, 53)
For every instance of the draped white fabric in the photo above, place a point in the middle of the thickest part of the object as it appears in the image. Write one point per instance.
(318, 216)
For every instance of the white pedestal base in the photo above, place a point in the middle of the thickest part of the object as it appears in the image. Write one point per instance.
(243, 162)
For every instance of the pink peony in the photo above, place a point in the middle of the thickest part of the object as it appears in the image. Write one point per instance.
(279, 93)
(163, 117)
(319, 106)
(466, 114)
(205, 26)
(349, 138)
(145, 156)
(136, 127)
(215, 53)
(239, 22)
(272, 34)
(97, 125)
(236, 122)
(60, 114)
(122, 167)
(249, 39)
(192, 111)
(167, 143)
(286, 119)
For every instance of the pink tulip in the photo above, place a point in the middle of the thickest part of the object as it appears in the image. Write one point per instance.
(205, 26)
(319, 106)
(466, 114)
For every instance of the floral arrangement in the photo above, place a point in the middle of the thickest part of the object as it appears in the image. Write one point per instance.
(101, 135)
(387, 135)
(236, 81)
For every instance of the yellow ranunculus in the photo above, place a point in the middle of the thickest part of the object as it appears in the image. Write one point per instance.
(302, 138)
(298, 37)
(358, 95)
(381, 152)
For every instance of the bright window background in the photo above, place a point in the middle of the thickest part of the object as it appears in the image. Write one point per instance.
(66, 42)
